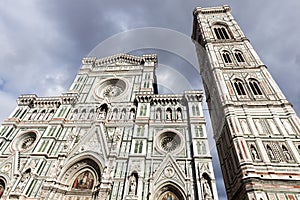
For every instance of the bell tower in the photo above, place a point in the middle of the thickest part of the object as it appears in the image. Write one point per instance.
(256, 130)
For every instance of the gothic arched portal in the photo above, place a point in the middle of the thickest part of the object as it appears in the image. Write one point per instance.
(169, 192)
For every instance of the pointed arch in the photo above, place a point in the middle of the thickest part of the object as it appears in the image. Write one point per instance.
(239, 56)
(206, 186)
(239, 86)
(133, 183)
(226, 57)
(221, 31)
(254, 86)
(169, 189)
(179, 113)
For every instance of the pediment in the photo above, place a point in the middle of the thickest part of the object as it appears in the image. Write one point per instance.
(168, 170)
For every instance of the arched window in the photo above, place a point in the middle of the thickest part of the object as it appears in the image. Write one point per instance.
(138, 146)
(221, 32)
(226, 57)
(239, 56)
(238, 85)
(198, 131)
(201, 148)
(255, 87)
(141, 147)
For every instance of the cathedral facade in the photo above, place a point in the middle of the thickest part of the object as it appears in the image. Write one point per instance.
(255, 128)
(111, 136)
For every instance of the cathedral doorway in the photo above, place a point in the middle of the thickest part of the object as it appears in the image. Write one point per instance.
(168, 195)
(169, 192)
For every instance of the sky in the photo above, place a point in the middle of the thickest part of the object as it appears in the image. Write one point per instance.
(43, 42)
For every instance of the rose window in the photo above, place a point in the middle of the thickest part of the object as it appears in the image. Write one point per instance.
(169, 141)
(110, 88)
(24, 141)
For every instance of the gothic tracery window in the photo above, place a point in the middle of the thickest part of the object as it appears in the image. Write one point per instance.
(239, 87)
(226, 57)
(239, 56)
(255, 87)
(221, 32)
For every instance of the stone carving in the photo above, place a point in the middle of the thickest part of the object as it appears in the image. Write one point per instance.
(270, 153)
(206, 190)
(168, 115)
(286, 153)
(131, 114)
(254, 153)
(179, 115)
(132, 185)
(158, 114)
(23, 181)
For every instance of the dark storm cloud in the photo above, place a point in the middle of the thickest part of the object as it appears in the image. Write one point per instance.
(42, 42)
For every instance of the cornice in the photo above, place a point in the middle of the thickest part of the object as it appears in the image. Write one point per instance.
(136, 60)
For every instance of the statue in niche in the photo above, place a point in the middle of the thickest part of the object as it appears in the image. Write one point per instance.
(179, 115)
(131, 114)
(158, 114)
(206, 190)
(24, 179)
(168, 115)
(254, 153)
(122, 116)
(270, 152)
(132, 185)
(286, 153)
(102, 112)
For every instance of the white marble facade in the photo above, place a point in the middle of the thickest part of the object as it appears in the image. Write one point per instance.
(111, 136)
